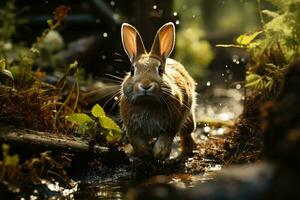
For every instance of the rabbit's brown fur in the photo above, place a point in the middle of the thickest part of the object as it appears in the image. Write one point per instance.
(158, 97)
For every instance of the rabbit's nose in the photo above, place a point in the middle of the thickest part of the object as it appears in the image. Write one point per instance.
(146, 88)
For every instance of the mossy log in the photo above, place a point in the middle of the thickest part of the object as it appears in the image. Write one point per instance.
(30, 140)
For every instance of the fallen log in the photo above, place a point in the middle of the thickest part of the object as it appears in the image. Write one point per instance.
(44, 141)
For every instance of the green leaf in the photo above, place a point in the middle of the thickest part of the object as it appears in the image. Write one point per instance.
(7, 73)
(247, 39)
(79, 118)
(12, 160)
(50, 22)
(252, 77)
(270, 83)
(253, 81)
(270, 13)
(109, 124)
(254, 84)
(98, 111)
(73, 65)
(110, 136)
(113, 136)
(73, 68)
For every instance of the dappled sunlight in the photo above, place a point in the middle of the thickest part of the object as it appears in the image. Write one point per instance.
(98, 99)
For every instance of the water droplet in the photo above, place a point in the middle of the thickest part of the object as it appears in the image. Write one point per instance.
(206, 129)
(177, 22)
(223, 74)
(116, 98)
(175, 13)
(225, 116)
(116, 17)
(220, 131)
(154, 7)
(238, 86)
(112, 3)
(235, 59)
(208, 83)
(105, 34)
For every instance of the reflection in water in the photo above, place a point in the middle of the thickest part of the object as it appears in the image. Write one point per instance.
(99, 190)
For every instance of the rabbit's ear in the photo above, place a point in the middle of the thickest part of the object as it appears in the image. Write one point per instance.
(164, 41)
(132, 42)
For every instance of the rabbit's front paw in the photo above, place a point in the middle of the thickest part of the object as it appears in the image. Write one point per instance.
(162, 147)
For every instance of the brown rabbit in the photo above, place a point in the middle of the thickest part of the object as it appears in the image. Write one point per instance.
(157, 96)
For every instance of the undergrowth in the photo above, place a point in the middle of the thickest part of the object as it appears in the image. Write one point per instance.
(271, 50)
(28, 101)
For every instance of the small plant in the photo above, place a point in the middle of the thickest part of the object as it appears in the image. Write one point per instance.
(87, 125)
(24, 58)
(244, 41)
(9, 165)
(33, 170)
(271, 54)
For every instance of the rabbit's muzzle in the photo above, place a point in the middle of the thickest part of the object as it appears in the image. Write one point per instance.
(146, 89)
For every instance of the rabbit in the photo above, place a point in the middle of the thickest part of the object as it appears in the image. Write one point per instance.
(157, 96)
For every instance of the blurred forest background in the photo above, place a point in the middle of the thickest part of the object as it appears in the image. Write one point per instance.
(91, 33)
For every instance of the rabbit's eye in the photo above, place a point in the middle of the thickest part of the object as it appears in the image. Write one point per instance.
(132, 69)
(160, 69)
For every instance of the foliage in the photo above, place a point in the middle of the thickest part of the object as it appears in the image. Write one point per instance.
(8, 22)
(29, 96)
(25, 175)
(3, 71)
(244, 41)
(46, 104)
(279, 45)
(9, 165)
(20, 64)
(87, 125)
(259, 82)
(192, 48)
